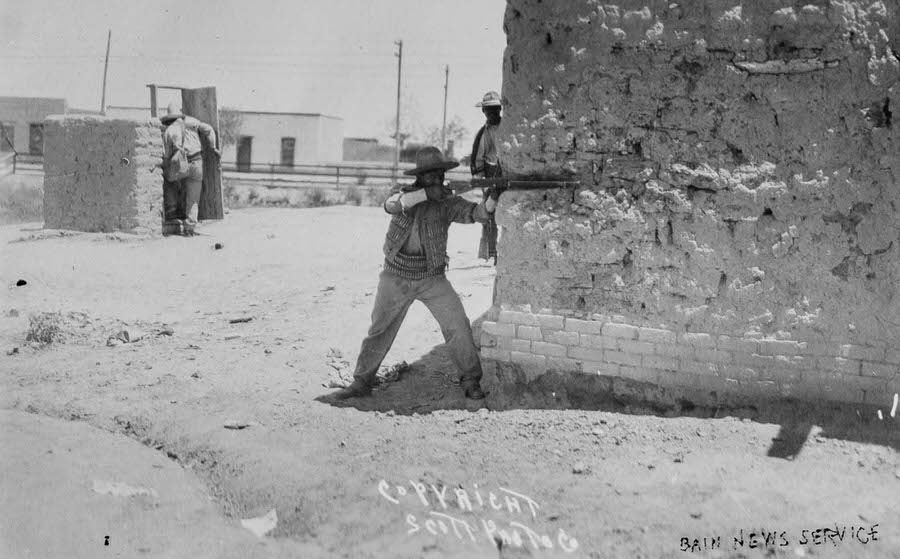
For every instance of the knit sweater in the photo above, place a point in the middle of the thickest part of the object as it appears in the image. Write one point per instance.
(426, 224)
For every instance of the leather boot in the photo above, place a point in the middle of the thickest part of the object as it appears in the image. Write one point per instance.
(473, 390)
(357, 389)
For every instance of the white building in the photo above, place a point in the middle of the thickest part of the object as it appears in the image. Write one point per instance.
(269, 138)
(22, 122)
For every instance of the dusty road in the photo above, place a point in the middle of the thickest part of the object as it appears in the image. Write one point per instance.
(261, 326)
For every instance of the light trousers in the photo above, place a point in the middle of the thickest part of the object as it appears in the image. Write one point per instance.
(392, 301)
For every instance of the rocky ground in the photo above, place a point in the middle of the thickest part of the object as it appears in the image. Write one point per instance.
(219, 359)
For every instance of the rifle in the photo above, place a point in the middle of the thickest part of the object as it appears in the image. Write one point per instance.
(494, 187)
(497, 186)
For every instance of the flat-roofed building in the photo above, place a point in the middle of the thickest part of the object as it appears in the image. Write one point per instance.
(22, 120)
(285, 139)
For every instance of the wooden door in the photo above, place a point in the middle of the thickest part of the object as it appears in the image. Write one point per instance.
(201, 104)
(244, 153)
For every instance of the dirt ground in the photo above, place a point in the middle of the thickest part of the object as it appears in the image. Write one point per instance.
(252, 334)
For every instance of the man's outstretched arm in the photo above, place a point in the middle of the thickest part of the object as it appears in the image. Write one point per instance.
(392, 204)
(210, 134)
(463, 211)
(400, 202)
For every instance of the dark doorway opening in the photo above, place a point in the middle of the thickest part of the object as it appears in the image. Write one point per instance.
(244, 151)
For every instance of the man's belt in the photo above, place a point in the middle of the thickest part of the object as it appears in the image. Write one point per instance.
(195, 157)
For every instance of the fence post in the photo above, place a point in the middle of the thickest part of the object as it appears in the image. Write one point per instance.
(337, 184)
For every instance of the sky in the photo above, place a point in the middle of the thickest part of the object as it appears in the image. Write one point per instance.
(335, 57)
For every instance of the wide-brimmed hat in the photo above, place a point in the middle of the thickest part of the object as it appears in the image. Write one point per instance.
(490, 99)
(172, 114)
(431, 159)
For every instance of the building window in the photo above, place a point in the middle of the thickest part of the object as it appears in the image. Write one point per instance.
(287, 152)
(36, 139)
(7, 136)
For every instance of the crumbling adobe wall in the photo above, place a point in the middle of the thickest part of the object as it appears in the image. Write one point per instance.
(737, 227)
(102, 174)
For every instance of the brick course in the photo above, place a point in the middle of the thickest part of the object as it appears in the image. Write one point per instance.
(737, 365)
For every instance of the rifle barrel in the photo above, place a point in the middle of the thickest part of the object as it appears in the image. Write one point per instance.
(509, 184)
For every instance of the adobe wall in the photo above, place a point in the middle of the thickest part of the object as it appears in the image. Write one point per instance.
(737, 227)
(101, 174)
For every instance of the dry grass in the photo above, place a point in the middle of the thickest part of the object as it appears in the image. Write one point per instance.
(241, 196)
(21, 199)
(45, 328)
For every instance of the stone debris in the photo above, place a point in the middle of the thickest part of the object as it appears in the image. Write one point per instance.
(261, 525)
(21, 282)
(119, 489)
(126, 337)
(393, 373)
(581, 468)
(240, 320)
(341, 376)
(237, 425)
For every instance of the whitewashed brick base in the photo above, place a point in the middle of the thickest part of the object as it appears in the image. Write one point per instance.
(746, 367)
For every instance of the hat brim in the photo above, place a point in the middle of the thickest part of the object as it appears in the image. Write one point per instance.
(166, 119)
(489, 104)
(445, 166)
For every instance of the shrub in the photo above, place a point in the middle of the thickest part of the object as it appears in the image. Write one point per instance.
(353, 196)
(316, 198)
(283, 201)
(45, 328)
(21, 199)
(377, 196)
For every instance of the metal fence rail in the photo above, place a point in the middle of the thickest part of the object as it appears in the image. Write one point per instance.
(300, 175)
(304, 175)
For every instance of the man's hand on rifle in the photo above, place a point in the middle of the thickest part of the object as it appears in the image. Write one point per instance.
(491, 195)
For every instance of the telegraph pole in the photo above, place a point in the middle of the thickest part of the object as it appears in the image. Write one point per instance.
(444, 126)
(399, 55)
(105, 68)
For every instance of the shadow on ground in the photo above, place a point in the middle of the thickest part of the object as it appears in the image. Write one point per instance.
(430, 384)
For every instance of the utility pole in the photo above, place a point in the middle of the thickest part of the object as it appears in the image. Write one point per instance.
(105, 68)
(399, 55)
(444, 126)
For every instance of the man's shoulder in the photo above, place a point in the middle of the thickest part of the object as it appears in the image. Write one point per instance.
(172, 131)
(191, 122)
